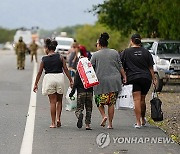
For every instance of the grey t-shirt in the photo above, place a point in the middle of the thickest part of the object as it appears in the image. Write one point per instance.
(107, 65)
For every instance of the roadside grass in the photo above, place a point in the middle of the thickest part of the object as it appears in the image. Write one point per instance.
(163, 125)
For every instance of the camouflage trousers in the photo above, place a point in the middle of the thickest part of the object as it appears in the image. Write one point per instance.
(33, 54)
(84, 99)
(20, 60)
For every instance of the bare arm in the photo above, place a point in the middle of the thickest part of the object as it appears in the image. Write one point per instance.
(153, 76)
(123, 75)
(38, 77)
(76, 56)
(67, 72)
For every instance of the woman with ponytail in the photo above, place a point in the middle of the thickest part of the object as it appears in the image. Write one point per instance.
(108, 68)
(53, 82)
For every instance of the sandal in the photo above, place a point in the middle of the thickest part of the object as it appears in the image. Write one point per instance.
(145, 122)
(88, 128)
(58, 124)
(137, 126)
(103, 123)
(110, 127)
(52, 126)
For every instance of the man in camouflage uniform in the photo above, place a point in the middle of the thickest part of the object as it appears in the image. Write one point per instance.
(33, 49)
(20, 49)
(84, 99)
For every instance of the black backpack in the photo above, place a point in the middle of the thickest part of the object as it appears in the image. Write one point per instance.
(156, 112)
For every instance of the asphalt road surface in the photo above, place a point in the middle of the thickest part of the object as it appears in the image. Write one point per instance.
(25, 120)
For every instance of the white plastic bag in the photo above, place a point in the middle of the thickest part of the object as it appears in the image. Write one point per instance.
(71, 103)
(125, 98)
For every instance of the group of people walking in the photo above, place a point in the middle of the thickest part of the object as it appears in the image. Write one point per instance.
(132, 66)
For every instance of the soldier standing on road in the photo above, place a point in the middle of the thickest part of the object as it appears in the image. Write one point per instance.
(33, 49)
(20, 49)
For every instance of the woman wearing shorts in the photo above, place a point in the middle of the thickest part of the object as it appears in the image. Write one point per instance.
(138, 65)
(53, 81)
(108, 68)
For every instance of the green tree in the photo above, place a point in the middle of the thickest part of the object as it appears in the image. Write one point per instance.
(70, 30)
(169, 19)
(151, 18)
(6, 35)
(88, 35)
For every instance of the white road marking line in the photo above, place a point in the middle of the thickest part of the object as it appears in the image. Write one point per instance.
(27, 142)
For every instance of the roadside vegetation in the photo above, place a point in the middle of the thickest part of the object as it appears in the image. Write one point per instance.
(151, 18)
(121, 18)
(6, 35)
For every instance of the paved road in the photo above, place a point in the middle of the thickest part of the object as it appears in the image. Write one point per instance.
(15, 92)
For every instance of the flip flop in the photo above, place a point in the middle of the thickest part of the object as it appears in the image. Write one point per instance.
(110, 127)
(88, 128)
(52, 126)
(58, 124)
(137, 126)
(103, 123)
(145, 123)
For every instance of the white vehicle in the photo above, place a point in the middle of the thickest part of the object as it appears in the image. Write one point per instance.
(64, 44)
(167, 55)
(25, 34)
(148, 42)
(160, 76)
(8, 46)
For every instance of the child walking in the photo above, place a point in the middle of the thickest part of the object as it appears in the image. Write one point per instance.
(84, 99)
(53, 81)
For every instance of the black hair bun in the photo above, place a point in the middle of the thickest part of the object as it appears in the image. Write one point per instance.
(47, 41)
(104, 36)
(50, 44)
(54, 43)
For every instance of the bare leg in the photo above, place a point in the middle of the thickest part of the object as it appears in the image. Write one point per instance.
(53, 100)
(137, 104)
(143, 108)
(59, 109)
(110, 115)
(104, 117)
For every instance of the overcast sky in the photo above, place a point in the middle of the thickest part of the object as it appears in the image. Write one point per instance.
(47, 14)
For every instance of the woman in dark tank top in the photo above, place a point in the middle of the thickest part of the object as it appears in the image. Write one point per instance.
(53, 81)
(53, 63)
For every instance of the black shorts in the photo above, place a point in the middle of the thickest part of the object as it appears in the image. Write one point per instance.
(141, 84)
